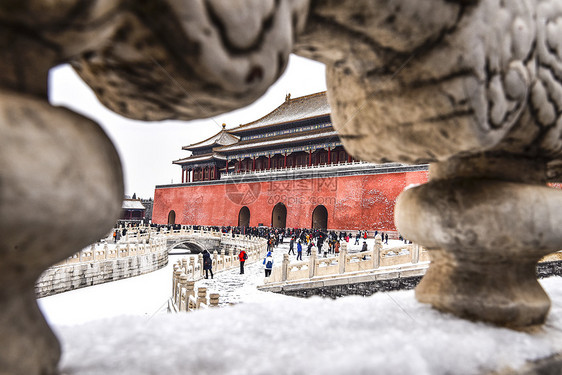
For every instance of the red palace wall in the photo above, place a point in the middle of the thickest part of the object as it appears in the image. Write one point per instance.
(356, 202)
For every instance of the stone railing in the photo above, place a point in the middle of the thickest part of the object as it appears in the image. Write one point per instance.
(185, 298)
(348, 263)
(103, 251)
(139, 251)
(102, 263)
(193, 267)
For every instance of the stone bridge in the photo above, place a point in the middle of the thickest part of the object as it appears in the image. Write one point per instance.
(195, 244)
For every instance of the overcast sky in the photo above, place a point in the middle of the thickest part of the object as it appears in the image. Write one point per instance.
(147, 149)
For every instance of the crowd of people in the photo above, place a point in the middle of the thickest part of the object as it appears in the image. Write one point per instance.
(300, 239)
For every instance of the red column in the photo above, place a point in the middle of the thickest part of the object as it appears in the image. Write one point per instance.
(216, 177)
(254, 163)
(309, 158)
(285, 161)
(329, 155)
(348, 158)
(268, 161)
(182, 175)
(239, 165)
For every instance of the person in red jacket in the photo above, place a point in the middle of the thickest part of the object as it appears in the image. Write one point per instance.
(242, 256)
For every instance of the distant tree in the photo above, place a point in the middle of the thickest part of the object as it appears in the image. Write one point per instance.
(134, 195)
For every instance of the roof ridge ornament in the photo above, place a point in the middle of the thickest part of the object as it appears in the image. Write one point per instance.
(288, 97)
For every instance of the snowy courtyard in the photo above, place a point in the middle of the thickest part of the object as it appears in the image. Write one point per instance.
(122, 328)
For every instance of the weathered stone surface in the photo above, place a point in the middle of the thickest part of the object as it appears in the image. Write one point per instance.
(473, 87)
(190, 59)
(60, 189)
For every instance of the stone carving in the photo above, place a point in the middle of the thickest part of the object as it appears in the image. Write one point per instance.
(470, 86)
(473, 87)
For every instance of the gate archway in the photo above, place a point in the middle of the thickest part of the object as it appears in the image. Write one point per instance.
(320, 218)
(244, 217)
(279, 216)
(172, 217)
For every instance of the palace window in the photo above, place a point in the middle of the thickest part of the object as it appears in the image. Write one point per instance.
(323, 158)
(212, 173)
(206, 173)
(342, 157)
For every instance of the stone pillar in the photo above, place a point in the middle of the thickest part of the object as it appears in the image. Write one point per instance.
(190, 286)
(200, 261)
(105, 251)
(181, 301)
(377, 251)
(486, 223)
(175, 276)
(342, 259)
(312, 264)
(214, 300)
(215, 259)
(192, 266)
(285, 267)
(184, 265)
(201, 296)
(415, 249)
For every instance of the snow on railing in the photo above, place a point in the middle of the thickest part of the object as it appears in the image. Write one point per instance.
(188, 270)
(184, 298)
(346, 263)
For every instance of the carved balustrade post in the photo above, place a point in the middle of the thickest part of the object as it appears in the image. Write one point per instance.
(201, 296)
(311, 264)
(214, 300)
(342, 259)
(377, 251)
(485, 112)
(192, 266)
(415, 249)
(200, 263)
(175, 276)
(182, 295)
(285, 267)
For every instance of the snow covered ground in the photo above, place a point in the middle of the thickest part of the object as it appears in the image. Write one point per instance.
(120, 328)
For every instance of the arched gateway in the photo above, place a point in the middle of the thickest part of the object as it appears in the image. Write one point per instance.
(279, 216)
(244, 217)
(172, 217)
(320, 218)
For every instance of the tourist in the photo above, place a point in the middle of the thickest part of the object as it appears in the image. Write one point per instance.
(299, 250)
(207, 264)
(292, 246)
(364, 248)
(337, 246)
(309, 248)
(386, 238)
(357, 237)
(268, 262)
(242, 257)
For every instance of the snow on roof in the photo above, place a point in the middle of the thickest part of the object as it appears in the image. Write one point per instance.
(132, 204)
(282, 140)
(222, 138)
(199, 158)
(297, 109)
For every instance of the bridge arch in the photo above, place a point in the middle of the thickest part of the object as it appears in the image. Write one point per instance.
(244, 217)
(189, 246)
(172, 217)
(320, 217)
(279, 216)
